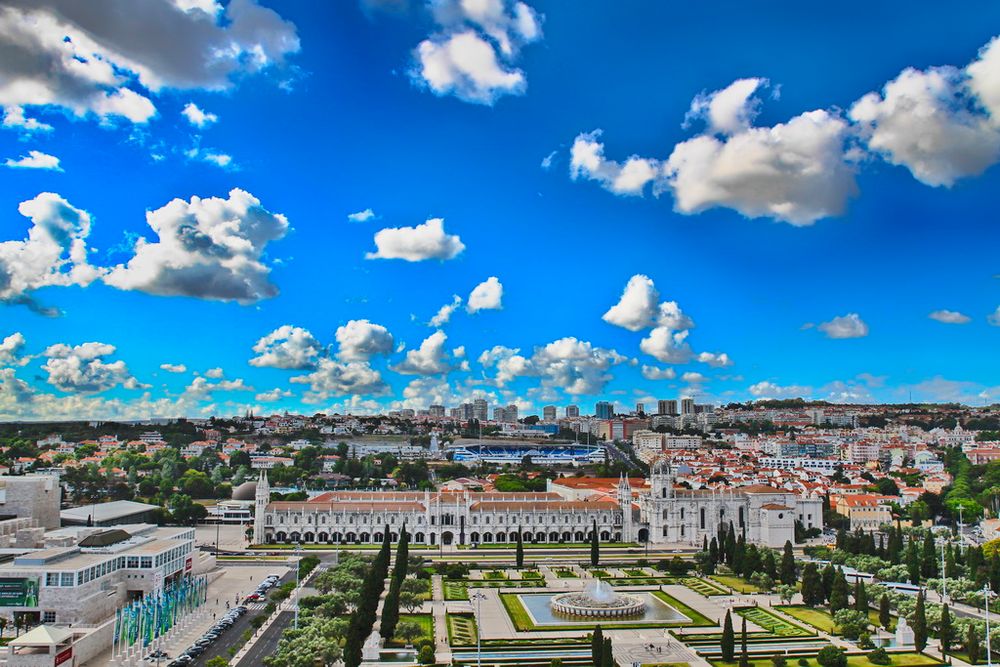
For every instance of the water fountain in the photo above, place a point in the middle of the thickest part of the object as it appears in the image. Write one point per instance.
(598, 600)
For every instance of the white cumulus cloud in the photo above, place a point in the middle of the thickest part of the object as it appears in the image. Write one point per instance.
(950, 317)
(198, 117)
(472, 55)
(361, 216)
(55, 252)
(98, 58)
(83, 369)
(360, 340)
(715, 360)
(431, 358)
(174, 368)
(667, 345)
(415, 244)
(656, 373)
(487, 295)
(208, 248)
(444, 313)
(845, 326)
(34, 160)
(287, 347)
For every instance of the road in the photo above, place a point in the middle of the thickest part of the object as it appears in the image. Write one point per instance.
(233, 636)
(267, 642)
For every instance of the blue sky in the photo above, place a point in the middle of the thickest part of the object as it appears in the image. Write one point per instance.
(720, 202)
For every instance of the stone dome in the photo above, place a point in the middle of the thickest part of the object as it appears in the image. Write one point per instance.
(245, 491)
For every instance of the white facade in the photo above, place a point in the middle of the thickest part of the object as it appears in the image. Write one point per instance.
(660, 515)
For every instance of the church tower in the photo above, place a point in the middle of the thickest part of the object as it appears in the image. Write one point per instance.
(261, 499)
(660, 510)
(625, 502)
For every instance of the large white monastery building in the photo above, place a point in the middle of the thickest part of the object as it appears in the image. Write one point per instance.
(658, 512)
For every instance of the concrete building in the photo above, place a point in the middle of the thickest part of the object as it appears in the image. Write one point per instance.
(572, 412)
(604, 410)
(113, 513)
(549, 413)
(687, 406)
(668, 407)
(35, 497)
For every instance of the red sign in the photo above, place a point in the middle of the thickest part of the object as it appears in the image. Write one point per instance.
(64, 656)
(187, 564)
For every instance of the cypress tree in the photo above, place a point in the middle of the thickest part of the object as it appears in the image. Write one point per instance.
(744, 656)
(730, 545)
(704, 542)
(928, 560)
(713, 551)
(913, 562)
(860, 597)
(894, 547)
(973, 563)
(946, 632)
(829, 574)
(880, 552)
(841, 538)
(770, 567)
(738, 553)
(812, 586)
(728, 642)
(788, 565)
(972, 644)
(919, 624)
(884, 614)
(519, 552)
(950, 566)
(607, 654)
(596, 646)
(838, 596)
(595, 546)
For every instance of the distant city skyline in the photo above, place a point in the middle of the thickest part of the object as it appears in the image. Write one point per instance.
(322, 208)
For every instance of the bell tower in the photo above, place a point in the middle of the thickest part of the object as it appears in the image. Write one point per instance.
(625, 503)
(261, 500)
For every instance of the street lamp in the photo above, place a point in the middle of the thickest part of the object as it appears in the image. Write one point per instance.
(986, 603)
(944, 573)
(295, 594)
(479, 597)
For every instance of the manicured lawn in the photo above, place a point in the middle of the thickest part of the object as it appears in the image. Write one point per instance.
(462, 629)
(821, 619)
(703, 586)
(426, 623)
(494, 575)
(563, 573)
(636, 572)
(768, 620)
(858, 660)
(600, 574)
(735, 583)
(455, 590)
(531, 574)
(641, 581)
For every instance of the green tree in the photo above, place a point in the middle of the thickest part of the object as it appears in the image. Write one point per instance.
(946, 632)
(607, 654)
(860, 597)
(812, 586)
(519, 553)
(884, 614)
(838, 596)
(919, 624)
(596, 645)
(972, 644)
(728, 642)
(408, 631)
(744, 656)
(788, 565)
(829, 574)
(595, 546)
(426, 655)
(928, 559)
(913, 562)
(831, 656)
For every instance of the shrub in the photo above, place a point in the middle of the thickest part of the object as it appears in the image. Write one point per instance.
(778, 660)
(879, 657)
(831, 656)
(426, 655)
(803, 662)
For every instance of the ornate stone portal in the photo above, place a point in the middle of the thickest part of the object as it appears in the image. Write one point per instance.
(598, 600)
